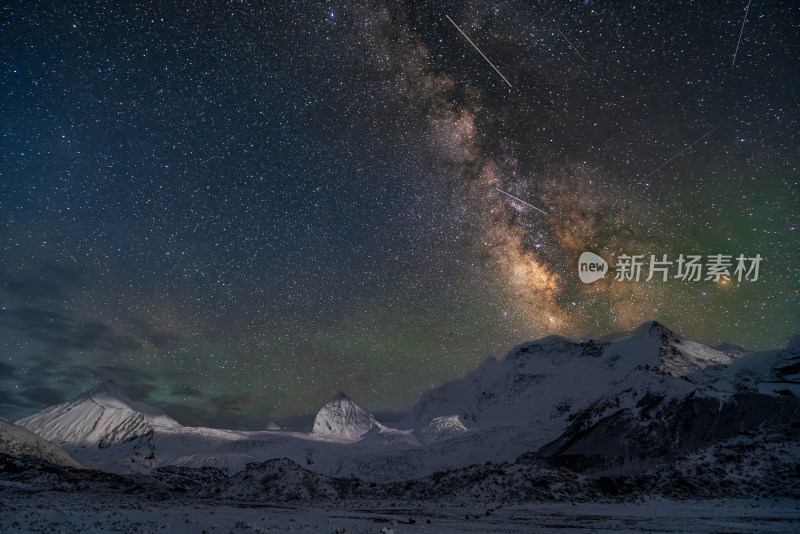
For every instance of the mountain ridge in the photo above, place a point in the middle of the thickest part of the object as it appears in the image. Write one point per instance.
(545, 398)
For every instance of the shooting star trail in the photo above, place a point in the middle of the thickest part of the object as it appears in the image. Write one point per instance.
(520, 200)
(740, 33)
(479, 51)
(681, 152)
(570, 44)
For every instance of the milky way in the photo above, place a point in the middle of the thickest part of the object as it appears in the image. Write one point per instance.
(236, 210)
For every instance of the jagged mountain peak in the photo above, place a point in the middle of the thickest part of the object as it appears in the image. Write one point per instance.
(647, 330)
(108, 387)
(107, 390)
(654, 328)
(340, 397)
(341, 417)
(654, 344)
(657, 331)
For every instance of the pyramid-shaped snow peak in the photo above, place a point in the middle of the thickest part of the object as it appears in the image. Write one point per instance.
(341, 417)
(103, 416)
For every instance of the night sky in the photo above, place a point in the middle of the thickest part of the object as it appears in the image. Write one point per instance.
(237, 209)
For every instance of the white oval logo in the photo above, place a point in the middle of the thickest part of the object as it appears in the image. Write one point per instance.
(591, 267)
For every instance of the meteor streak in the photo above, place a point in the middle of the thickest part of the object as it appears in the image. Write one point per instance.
(740, 33)
(479, 51)
(520, 200)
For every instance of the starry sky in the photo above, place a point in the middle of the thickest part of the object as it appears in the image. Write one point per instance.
(237, 209)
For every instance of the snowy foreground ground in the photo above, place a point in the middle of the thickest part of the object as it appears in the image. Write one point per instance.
(79, 512)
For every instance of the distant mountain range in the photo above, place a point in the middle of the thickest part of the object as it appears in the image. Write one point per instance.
(611, 405)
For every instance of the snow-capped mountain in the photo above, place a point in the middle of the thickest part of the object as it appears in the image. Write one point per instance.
(106, 428)
(603, 402)
(20, 441)
(651, 416)
(543, 382)
(341, 417)
(103, 419)
(103, 416)
(770, 372)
